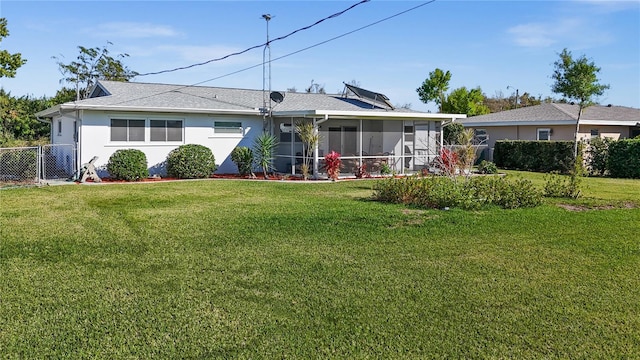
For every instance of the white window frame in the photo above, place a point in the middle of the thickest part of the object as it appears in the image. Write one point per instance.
(539, 130)
(147, 131)
(165, 132)
(595, 133)
(220, 130)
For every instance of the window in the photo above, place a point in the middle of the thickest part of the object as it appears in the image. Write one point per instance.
(59, 127)
(595, 133)
(166, 130)
(408, 133)
(227, 127)
(544, 134)
(481, 136)
(127, 130)
(286, 137)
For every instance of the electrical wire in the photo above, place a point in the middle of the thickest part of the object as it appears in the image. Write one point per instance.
(291, 53)
(257, 46)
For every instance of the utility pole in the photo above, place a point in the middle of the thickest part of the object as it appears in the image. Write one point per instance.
(516, 102)
(266, 78)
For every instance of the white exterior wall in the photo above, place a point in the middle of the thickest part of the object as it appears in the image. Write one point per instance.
(197, 129)
(66, 135)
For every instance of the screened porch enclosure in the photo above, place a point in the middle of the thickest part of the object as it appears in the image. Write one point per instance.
(405, 146)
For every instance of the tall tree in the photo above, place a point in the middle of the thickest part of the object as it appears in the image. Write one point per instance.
(91, 65)
(434, 87)
(9, 63)
(463, 101)
(576, 79)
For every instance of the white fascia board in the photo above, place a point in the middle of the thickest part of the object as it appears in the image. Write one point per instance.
(337, 114)
(73, 107)
(610, 122)
(518, 123)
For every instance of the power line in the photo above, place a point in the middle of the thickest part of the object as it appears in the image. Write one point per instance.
(257, 46)
(291, 53)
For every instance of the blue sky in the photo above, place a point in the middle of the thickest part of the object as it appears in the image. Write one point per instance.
(491, 44)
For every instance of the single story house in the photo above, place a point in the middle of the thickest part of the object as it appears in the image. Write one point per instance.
(554, 121)
(156, 118)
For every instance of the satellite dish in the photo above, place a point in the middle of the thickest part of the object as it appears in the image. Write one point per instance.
(277, 96)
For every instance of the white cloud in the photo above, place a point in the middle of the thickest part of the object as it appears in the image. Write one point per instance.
(135, 30)
(575, 33)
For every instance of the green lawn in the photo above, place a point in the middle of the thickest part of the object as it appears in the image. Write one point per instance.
(240, 269)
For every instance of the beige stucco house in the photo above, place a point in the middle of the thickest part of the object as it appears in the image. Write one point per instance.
(551, 121)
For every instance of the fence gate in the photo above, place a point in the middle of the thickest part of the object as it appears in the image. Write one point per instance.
(30, 165)
(57, 161)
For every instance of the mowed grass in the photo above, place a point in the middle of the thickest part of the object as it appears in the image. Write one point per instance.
(240, 269)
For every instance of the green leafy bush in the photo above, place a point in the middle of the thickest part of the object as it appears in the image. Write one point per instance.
(18, 164)
(624, 159)
(597, 155)
(542, 156)
(471, 193)
(487, 167)
(242, 156)
(561, 186)
(128, 164)
(191, 161)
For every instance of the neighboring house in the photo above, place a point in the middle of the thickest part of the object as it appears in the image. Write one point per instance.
(156, 118)
(551, 121)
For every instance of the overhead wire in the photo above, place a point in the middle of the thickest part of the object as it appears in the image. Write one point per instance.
(257, 46)
(292, 53)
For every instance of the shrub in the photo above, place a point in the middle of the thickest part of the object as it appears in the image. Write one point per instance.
(473, 193)
(487, 167)
(544, 156)
(560, 186)
(242, 156)
(597, 154)
(360, 170)
(624, 159)
(264, 147)
(128, 164)
(333, 164)
(18, 164)
(191, 161)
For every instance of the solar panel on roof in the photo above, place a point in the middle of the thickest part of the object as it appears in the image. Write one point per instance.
(371, 95)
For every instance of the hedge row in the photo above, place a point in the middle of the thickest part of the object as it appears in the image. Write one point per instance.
(624, 159)
(542, 156)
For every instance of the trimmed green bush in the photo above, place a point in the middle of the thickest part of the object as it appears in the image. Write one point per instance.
(471, 193)
(624, 159)
(487, 167)
(242, 156)
(597, 155)
(191, 161)
(541, 156)
(128, 164)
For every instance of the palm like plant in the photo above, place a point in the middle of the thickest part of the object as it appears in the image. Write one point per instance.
(263, 149)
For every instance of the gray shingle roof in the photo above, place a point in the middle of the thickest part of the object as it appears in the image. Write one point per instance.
(550, 112)
(158, 96)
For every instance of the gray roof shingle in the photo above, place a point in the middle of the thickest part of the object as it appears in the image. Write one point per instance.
(549, 112)
(147, 95)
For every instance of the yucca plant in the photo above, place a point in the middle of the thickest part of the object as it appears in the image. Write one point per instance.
(310, 139)
(264, 147)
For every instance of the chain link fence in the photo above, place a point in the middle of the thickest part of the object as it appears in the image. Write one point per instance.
(31, 165)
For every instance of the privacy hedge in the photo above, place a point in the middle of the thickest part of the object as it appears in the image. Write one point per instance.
(541, 156)
(624, 159)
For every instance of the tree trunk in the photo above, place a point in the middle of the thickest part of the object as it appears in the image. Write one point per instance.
(575, 145)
